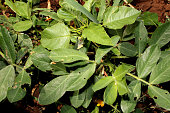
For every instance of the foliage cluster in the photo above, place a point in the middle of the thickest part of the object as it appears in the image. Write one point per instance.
(85, 52)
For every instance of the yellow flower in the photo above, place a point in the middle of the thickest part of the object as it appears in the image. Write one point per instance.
(100, 103)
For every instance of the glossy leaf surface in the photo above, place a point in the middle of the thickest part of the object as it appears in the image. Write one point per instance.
(110, 93)
(96, 33)
(56, 88)
(121, 71)
(147, 61)
(161, 36)
(161, 73)
(103, 82)
(80, 8)
(23, 25)
(117, 17)
(67, 55)
(56, 36)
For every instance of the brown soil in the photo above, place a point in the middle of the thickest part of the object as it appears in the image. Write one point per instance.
(161, 7)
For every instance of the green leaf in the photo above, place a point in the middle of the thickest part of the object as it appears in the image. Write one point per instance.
(25, 41)
(15, 94)
(160, 72)
(67, 55)
(68, 15)
(116, 2)
(141, 36)
(96, 33)
(28, 62)
(20, 8)
(68, 109)
(147, 61)
(21, 53)
(121, 71)
(88, 5)
(82, 9)
(57, 87)
(77, 99)
(110, 93)
(22, 78)
(2, 64)
(96, 110)
(122, 86)
(7, 45)
(161, 36)
(128, 49)
(135, 89)
(23, 25)
(59, 69)
(117, 17)
(40, 58)
(80, 76)
(88, 96)
(102, 83)
(149, 18)
(6, 80)
(127, 106)
(101, 51)
(56, 36)
(101, 10)
(115, 39)
(160, 96)
(53, 90)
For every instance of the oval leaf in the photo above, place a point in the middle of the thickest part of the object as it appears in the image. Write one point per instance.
(23, 25)
(67, 55)
(80, 76)
(161, 36)
(53, 90)
(7, 76)
(77, 99)
(68, 109)
(110, 94)
(141, 35)
(121, 71)
(56, 36)
(128, 49)
(7, 45)
(102, 83)
(96, 33)
(40, 58)
(117, 17)
(147, 61)
(160, 73)
(160, 96)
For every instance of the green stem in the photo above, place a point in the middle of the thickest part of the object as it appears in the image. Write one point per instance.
(139, 79)
(17, 66)
(119, 57)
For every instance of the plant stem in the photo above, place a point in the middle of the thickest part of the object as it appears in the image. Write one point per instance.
(139, 79)
(128, 3)
(119, 57)
(17, 66)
